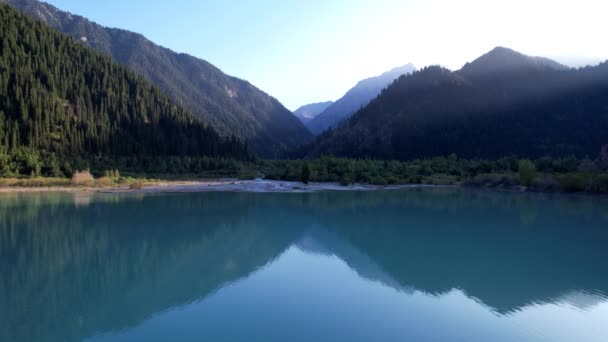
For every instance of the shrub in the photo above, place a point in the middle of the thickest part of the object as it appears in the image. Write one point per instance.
(572, 183)
(510, 180)
(345, 180)
(392, 180)
(546, 184)
(247, 175)
(415, 180)
(599, 184)
(602, 184)
(105, 182)
(67, 169)
(82, 178)
(492, 180)
(440, 179)
(479, 180)
(137, 185)
(379, 181)
(527, 172)
(305, 173)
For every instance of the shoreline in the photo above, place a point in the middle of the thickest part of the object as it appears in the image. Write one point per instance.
(259, 186)
(8, 190)
(101, 189)
(264, 186)
(221, 185)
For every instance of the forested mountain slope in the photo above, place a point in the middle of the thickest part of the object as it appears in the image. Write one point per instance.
(231, 105)
(519, 106)
(61, 101)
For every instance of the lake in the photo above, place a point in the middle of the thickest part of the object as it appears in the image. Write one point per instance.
(436, 264)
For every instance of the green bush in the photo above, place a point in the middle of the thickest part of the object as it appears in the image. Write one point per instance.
(527, 172)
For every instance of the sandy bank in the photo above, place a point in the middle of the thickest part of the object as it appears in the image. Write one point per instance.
(221, 185)
(257, 186)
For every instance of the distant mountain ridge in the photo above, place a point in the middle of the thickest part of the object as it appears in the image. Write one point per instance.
(502, 104)
(308, 112)
(357, 97)
(502, 59)
(231, 105)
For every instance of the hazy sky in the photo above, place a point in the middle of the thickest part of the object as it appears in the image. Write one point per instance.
(315, 50)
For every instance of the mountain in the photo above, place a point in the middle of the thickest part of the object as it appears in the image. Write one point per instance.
(310, 111)
(502, 59)
(502, 104)
(355, 98)
(231, 105)
(60, 102)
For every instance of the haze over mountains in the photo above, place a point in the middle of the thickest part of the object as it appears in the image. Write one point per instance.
(308, 112)
(231, 105)
(354, 99)
(503, 103)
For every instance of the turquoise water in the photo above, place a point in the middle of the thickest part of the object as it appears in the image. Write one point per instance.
(412, 265)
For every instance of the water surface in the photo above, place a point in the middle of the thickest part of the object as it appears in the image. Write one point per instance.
(421, 265)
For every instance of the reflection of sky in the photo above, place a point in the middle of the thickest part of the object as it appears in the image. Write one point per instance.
(317, 297)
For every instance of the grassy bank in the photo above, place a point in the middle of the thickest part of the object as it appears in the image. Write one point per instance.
(78, 180)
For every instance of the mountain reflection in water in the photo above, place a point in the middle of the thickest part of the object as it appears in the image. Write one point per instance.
(109, 267)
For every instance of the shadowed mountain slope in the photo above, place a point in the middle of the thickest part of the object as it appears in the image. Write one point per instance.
(502, 104)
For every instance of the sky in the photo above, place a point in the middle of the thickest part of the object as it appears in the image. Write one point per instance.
(305, 51)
